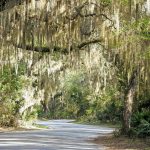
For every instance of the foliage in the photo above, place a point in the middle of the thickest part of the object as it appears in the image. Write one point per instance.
(141, 124)
(12, 84)
(106, 107)
(76, 93)
(10, 93)
(80, 102)
(30, 114)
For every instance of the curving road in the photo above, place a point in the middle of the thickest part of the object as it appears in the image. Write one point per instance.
(62, 135)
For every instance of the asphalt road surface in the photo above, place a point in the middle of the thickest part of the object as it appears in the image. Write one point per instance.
(62, 135)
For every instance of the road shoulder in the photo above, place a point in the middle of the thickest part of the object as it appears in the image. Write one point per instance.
(122, 143)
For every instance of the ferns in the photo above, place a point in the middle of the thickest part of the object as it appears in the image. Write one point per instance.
(141, 124)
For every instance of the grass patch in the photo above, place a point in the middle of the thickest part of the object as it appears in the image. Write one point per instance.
(99, 123)
(40, 126)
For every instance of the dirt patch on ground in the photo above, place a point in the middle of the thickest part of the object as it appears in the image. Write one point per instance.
(122, 143)
(6, 129)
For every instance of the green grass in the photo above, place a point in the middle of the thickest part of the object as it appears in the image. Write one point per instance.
(40, 126)
(99, 123)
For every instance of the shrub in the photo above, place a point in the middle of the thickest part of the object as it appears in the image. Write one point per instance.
(141, 124)
(10, 96)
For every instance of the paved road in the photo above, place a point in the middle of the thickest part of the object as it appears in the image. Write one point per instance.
(62, 135)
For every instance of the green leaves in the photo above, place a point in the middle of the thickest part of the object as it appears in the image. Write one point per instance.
(76, 92)
(141, 123)
(106, 2)
(10, 95)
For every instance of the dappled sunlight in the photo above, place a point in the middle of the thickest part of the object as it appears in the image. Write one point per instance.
(86, 60)
(63, 135)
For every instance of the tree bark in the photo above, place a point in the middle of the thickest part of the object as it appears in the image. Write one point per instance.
(129, 101)
(45, 107)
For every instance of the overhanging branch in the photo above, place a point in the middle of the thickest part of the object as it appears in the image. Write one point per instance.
(46, 49)
(86, 43)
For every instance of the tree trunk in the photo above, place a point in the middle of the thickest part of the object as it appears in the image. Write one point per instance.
(129, 101)
(45, 107)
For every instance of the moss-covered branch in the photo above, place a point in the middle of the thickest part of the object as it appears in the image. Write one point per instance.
(46, 49)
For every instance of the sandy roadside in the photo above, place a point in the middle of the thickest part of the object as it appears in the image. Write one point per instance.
(123, 143)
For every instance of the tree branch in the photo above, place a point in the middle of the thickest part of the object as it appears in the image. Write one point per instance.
(86, 43)
(46, 49)
(78, 12)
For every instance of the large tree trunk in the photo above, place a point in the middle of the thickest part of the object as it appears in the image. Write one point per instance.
(45, 107)
(129, 101)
